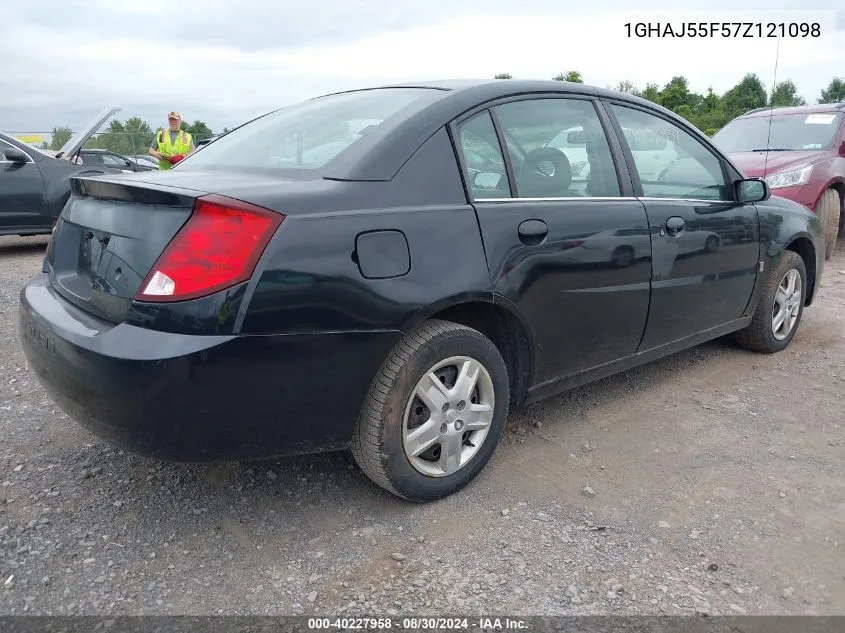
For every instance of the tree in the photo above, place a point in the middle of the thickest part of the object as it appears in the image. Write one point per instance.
(651, 92)
(835, 91)
(709, 114)
(198, 130)
(676, 93)
(138, 133)
(573, 76)
(746, 95)
(59, 137)
(114, 139)
(627, 87)
(503, 76)
(786, 94)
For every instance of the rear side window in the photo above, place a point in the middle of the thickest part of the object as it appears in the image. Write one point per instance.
(484, 164)
(311, 134)
(558, 149)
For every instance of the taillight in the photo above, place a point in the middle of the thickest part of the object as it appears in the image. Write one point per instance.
(217, 248)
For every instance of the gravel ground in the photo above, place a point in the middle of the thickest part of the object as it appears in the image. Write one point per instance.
(711, 482)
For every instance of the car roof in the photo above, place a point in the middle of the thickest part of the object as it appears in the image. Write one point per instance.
(781, 110)
(382, 161)
(497, 88)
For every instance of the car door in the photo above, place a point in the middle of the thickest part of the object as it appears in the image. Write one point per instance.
(557, 247)
(23, 201)
(705, 245)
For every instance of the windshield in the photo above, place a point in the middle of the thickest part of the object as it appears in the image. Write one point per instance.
(793, 132)
(308, 135)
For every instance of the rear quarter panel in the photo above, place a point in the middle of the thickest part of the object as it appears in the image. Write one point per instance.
(309, 279)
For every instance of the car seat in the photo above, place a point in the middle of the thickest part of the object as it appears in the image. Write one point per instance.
(545, 173)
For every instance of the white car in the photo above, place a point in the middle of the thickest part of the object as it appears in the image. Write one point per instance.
(653, 153)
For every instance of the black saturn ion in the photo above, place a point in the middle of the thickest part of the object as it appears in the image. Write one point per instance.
(392, 269)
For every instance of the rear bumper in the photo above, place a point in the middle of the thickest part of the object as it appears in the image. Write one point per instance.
(199, 398)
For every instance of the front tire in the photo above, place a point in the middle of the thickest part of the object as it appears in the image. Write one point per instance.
(434, 413)
(780, 307)
(829, 211)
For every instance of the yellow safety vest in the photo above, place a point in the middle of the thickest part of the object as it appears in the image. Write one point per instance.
(182, 145)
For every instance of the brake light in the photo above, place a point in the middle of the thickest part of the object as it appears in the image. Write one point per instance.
(217, 248)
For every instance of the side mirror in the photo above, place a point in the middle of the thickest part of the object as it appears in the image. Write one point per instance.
(16, 155)
(577, 138)
(752, 190)
(842, 149)
(487, 179)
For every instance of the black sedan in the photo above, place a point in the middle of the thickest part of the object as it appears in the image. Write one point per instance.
(375, 285)
(35, 185)
(91, 156)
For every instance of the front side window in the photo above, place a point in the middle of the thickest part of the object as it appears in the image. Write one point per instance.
(788, 133)
(484, 164)
(671, 162)
(558, 149)
(309, 135)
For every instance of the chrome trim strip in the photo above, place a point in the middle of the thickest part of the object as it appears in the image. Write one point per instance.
(603, 199)
(565, 199)
(711, 201)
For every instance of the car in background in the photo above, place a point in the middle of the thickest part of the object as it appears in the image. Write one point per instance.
(91, 156)
(205, 141)
(145, 159)
(800, 151)
(35, 184)
(372, 291)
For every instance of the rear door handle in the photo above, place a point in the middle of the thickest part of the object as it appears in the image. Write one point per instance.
(533, 232)
(675, 226)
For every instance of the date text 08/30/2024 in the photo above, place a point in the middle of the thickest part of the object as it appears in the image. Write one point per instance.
(723, 29)
(418, 624)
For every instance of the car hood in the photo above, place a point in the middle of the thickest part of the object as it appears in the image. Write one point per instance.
(80, 138)
(752, 164)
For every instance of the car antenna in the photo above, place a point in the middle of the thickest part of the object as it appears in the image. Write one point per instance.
(771, 111)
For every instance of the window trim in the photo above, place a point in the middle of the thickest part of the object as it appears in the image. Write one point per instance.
(454, 130)
(728, 172)
(506, 154)
(623, 174)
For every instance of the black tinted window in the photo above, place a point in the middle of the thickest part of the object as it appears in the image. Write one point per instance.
(682, 168)
(308, 135)
(484, 164)
(558, 149)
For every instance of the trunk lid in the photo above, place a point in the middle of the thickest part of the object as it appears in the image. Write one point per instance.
(109, 236)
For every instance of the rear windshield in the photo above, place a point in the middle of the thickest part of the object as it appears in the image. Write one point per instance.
(790, 132)
(311, 134)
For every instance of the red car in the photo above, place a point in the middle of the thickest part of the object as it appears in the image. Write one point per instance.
(801, 153)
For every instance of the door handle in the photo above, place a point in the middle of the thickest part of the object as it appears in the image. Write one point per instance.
(533, 232)
(675, 226)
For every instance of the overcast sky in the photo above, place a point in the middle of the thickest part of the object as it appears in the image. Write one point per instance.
(226, 61)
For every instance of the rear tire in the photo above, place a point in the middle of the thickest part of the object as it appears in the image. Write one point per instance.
(829, 211)
(421, 386)
(782, 301)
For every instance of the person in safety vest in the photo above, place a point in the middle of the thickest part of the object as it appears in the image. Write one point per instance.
(172, 144)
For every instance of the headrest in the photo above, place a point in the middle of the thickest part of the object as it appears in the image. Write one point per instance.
(545, 172)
